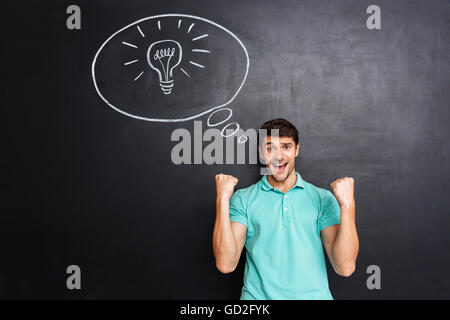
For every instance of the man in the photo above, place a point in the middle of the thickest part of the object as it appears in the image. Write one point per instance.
(284, 223)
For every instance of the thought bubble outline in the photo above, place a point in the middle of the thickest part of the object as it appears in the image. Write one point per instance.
(171, 120)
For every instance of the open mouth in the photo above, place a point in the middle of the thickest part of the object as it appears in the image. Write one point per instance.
(279, 167)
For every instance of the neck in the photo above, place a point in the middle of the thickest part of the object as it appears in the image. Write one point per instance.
(285, 185)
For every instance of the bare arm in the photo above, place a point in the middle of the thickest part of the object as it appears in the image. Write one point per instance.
(341, 241)
(228, 237)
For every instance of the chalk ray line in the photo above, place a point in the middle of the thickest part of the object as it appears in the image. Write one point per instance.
(140, 31)
(130, 62)
(196, 64)
(140, 74)
(200, 37)
(185, 72)
(129, 44)
(201, 50)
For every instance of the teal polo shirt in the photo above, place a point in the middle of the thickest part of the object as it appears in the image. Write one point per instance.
(285, 256)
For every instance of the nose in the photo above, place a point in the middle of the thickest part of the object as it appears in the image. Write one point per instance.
(279, 155)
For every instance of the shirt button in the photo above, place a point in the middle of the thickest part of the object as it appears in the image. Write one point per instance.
(285, 196)
(285, 209)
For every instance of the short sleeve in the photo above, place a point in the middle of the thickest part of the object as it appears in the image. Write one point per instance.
(330, 212)
(238, 212)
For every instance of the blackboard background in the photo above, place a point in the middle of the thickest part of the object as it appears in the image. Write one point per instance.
(84, 185)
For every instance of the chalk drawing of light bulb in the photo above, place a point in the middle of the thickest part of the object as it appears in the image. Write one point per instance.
(163, 56)
(171, 68)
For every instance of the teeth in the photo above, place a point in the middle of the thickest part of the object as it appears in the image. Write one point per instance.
(279, 165)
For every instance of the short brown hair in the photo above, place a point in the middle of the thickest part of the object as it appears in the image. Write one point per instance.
(286, 129)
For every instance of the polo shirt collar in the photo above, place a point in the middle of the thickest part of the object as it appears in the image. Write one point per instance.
(265, 185)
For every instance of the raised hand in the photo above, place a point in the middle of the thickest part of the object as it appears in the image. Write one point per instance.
(225, 185)
(343, 190)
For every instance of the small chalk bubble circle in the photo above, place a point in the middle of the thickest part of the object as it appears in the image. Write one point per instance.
(242, 139)
(230, 113)
(233, 132)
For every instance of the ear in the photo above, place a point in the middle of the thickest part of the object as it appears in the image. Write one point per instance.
(297, 149)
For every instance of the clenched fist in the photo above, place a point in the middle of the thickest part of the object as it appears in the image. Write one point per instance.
(343, 190)
(225, 185)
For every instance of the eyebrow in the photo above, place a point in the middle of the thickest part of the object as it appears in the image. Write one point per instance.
(283, 143)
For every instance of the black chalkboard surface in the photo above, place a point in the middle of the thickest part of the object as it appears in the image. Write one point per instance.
(88, 176)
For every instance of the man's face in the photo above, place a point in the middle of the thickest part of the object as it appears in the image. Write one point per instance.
(279, 154)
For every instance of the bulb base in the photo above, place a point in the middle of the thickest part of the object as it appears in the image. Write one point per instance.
(166, 86)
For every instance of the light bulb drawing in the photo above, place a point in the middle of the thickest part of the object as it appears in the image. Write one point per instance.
(163, 56)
